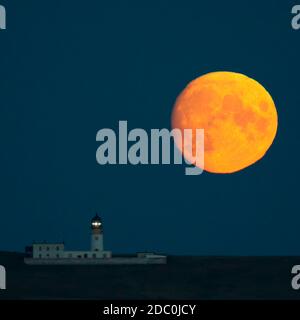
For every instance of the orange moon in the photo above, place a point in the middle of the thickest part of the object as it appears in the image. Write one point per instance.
(237, 114)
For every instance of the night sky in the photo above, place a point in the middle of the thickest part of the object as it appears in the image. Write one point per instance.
(69, 68)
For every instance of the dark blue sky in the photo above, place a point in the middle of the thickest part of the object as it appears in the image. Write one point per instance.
(70, 68)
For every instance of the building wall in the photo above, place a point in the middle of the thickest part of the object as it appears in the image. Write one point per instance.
(56, 251)
(97, 242)
(47, 250)
(86, 254)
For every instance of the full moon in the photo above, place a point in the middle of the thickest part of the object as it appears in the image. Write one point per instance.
(237, 114)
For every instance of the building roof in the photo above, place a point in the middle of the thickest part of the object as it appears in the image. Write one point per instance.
(48, 243)
(96, 218)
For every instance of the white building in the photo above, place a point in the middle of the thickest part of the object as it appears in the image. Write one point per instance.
(55, 253)
(44, 250)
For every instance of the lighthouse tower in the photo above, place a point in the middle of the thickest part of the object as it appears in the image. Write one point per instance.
(97, 234)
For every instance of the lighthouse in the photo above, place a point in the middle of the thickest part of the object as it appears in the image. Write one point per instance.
(46, 253)
(97, 234)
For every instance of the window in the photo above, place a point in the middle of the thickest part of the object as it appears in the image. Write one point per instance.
(57, 248)
(40, 256)
(85, 255)
(57, 256)
(47, 248)
(40, 248)
(48, 255)
(79, 256)
(96, 238)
